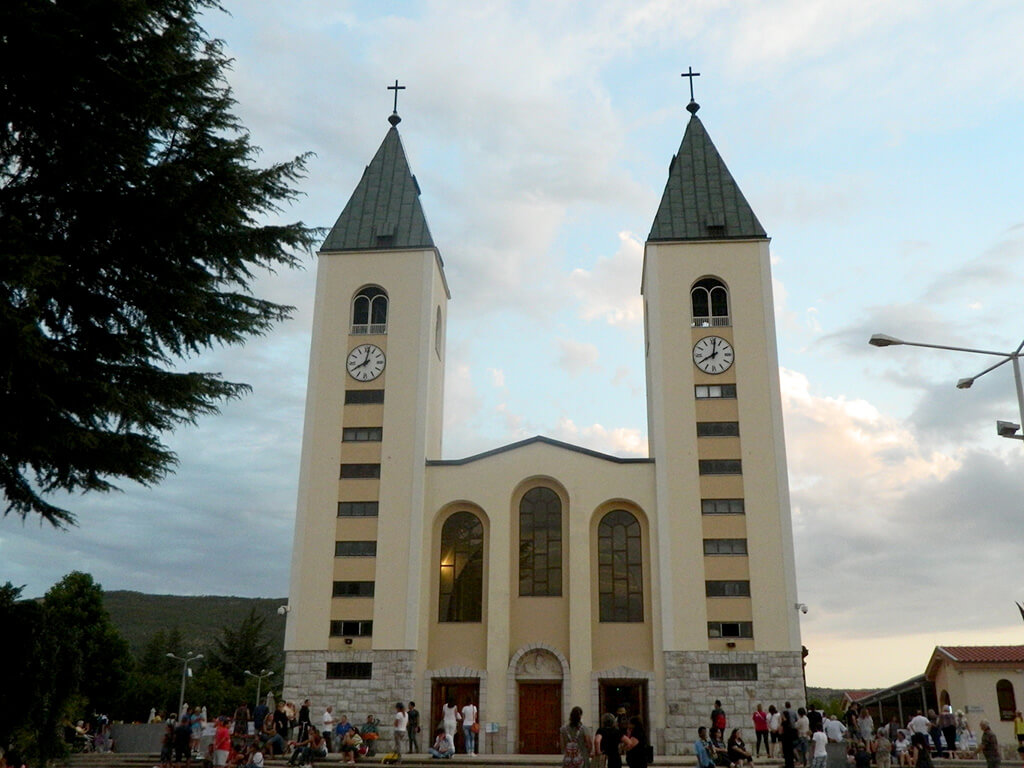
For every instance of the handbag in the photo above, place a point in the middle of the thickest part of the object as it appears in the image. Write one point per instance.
(475, 727)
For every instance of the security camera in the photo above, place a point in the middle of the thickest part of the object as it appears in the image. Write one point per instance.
(283, 610)
(802, 607)
(1006, 428)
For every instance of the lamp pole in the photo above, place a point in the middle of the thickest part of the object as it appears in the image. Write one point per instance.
(259, 681)
(189, 658)
(1003, 428)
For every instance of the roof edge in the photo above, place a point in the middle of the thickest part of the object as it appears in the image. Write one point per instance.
(529, 441)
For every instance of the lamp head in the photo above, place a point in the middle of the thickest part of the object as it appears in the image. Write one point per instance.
(965, 383)
(1006, 428)
(883, 340)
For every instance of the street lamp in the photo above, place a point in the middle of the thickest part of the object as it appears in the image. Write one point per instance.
(1003, 428)
(189, 658)
(259, 681)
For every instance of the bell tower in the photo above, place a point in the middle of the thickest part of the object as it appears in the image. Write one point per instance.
(373, 418)
(716, 433)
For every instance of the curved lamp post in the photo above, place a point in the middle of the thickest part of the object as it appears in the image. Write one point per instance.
(1003, 428)
(259, 681)
(189, 658)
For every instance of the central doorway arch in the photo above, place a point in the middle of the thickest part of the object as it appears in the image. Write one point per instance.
(539, 682)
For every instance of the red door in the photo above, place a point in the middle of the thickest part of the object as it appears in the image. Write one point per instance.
(540, 717)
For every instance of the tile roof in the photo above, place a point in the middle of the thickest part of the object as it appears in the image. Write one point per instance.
(860, 693)
(981, 654)
(701, 199)
(384, 211)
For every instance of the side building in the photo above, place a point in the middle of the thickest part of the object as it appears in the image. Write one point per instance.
(541, 575)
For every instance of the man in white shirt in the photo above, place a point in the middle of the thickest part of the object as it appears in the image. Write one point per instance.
(328, 726)
(920, 724)
(834, 729)
(401, 726)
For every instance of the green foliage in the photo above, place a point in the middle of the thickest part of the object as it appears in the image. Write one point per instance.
(241, 649)
(129, 236)
(64, 660)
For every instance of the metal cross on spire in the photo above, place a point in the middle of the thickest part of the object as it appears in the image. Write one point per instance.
(394, 119)
(693, 106)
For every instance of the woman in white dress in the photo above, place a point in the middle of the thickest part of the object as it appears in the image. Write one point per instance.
(450, 717)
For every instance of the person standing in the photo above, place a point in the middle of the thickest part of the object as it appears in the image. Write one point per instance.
(327, 727)
(989, 745)
(303, 722)
(787, 734)
(1018, 726)
(414, 727)
(221, 742)
(760, 719)
(883, 749)
(450, 717)
(574, 740)
(774, 725)
(401, 728)
(718, 716)
(803, 736)
(636, 743)
(819, 751)
(606, 742)
(947, 724)
(469, 725)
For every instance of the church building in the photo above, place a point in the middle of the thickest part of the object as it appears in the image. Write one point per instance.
(540, 575)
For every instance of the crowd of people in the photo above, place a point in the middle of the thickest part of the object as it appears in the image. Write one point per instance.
(805, 738)
(245, 738)
(620, 739)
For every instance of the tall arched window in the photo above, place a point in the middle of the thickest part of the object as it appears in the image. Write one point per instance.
(709, 299)
(620, 575)
(462, 568)
(1007, 701)
(540, 544)
(370, 311)
(437, 333)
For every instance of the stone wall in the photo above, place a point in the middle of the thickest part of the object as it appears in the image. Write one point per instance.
(392, 680)
(690, 693)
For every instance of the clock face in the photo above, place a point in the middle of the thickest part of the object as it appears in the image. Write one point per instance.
(366, 362)
(713, 354)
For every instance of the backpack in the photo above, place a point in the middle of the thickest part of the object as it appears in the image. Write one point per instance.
(574, 757)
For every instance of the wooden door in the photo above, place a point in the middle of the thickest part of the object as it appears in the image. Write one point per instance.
(441, 691)
(540, 717)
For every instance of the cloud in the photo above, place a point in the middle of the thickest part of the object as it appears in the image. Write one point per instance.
(577, 358)
(617, 441)
(611, 290)
(878, 513)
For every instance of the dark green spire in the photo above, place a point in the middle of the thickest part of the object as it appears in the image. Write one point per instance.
(701, 200)
(384, 212)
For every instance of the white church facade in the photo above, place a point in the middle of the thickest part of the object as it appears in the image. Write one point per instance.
(540, 575)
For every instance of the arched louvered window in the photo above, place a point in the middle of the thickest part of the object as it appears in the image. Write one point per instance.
(462, 568)
(709, 300)
(620, 572)
(540, 544)
(370, 311)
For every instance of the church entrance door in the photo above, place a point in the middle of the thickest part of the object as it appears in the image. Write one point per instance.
(630, 695)
(441, 691)
(540, 717)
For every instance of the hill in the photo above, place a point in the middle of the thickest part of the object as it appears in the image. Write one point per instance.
(201, 618)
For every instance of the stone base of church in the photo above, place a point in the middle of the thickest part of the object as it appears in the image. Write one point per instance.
(392, 680)
(690, 693)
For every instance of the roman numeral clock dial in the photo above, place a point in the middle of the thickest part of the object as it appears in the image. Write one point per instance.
(713, 354)
(365, 362)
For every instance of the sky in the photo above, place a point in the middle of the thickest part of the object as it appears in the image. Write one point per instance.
(877, 142)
